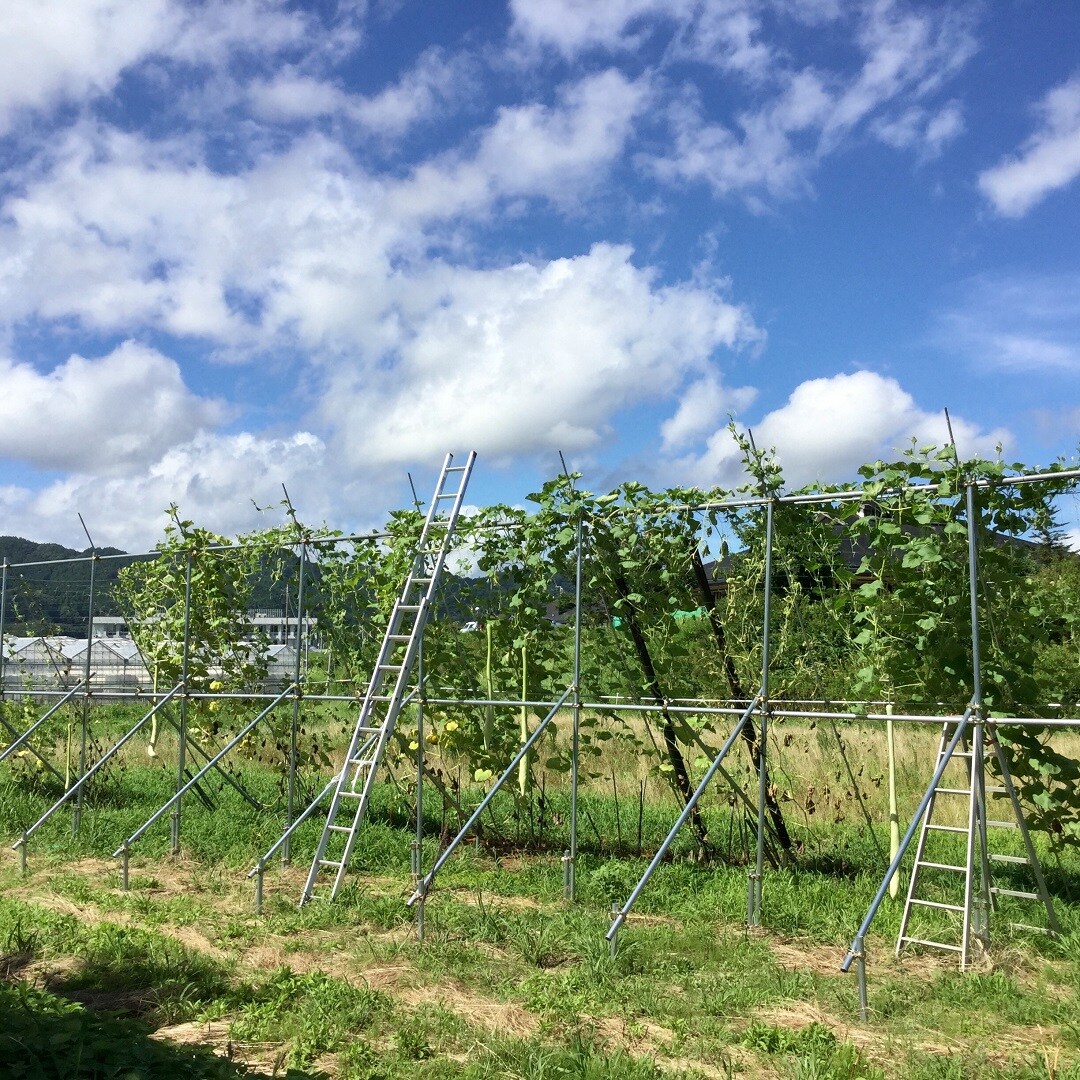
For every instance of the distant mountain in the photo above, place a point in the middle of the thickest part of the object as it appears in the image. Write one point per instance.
(51, 595)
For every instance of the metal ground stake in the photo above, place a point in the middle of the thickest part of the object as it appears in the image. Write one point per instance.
(859, 953)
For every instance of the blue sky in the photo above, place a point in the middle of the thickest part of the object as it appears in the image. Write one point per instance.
(246, 243)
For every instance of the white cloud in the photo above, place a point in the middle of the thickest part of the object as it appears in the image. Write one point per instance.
(571, 27)
(763, 155)
(530, 358)
(1047, 161)
(830, 426)
(555, 152)
(728, 36)
(1017, 324)
(917, 128)
(704, 404)
(106, 414)
(54, 50)
(214, 31)
(291, 95)
(419, 95)
(216, 481)
(906, 52)
(799, 115)
(423, 92)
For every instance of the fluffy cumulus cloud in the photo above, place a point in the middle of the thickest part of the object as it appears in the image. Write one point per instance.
(457, 241)
(557, 152)
(532, 357)
(830, 426)
(1046, 162)
(104, 415)
(220, 480)
(54, 51)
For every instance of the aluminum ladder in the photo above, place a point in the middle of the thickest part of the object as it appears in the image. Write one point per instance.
(386, 691)
(980, 894)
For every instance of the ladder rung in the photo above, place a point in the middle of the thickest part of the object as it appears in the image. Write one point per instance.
(361, 762)
(1016, 893)
(952, 791)
(409, 607)
(1027, 926)
(336, 865)
(937, 904)
(456, 468)
(338, 828)
(931, 944)
(1020, 860)
(996, 789)
(941, 866)
(948, 828)
(1002, 825)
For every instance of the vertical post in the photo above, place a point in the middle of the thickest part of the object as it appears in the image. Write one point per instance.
(418, 839)
(76, 815)
(753, 905)
(182, 735)
(3, 619)
(976, 902)
(290, 801)
(894, 817)
(569, 881)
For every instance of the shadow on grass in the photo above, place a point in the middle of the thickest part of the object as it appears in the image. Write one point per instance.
(47, 1037)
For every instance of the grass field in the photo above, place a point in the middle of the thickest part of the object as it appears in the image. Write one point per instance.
(178, 977)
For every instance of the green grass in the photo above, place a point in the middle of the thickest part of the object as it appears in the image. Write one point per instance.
(510, 981)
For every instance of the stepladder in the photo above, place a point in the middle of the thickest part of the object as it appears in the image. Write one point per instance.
(975, 861)
(388, 689)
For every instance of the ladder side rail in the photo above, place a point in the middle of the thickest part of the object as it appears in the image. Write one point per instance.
(920, 847)
(905, 842)
(279, 843)
(375, 726)
(1029, 846)
(970, 854)
(377, 743)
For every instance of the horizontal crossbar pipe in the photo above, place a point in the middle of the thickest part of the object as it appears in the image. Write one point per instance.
(883, 888)
(717, 761)
(26, 735)
(240, 735)
(98, 765)
(424, 886)
(261, 865)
